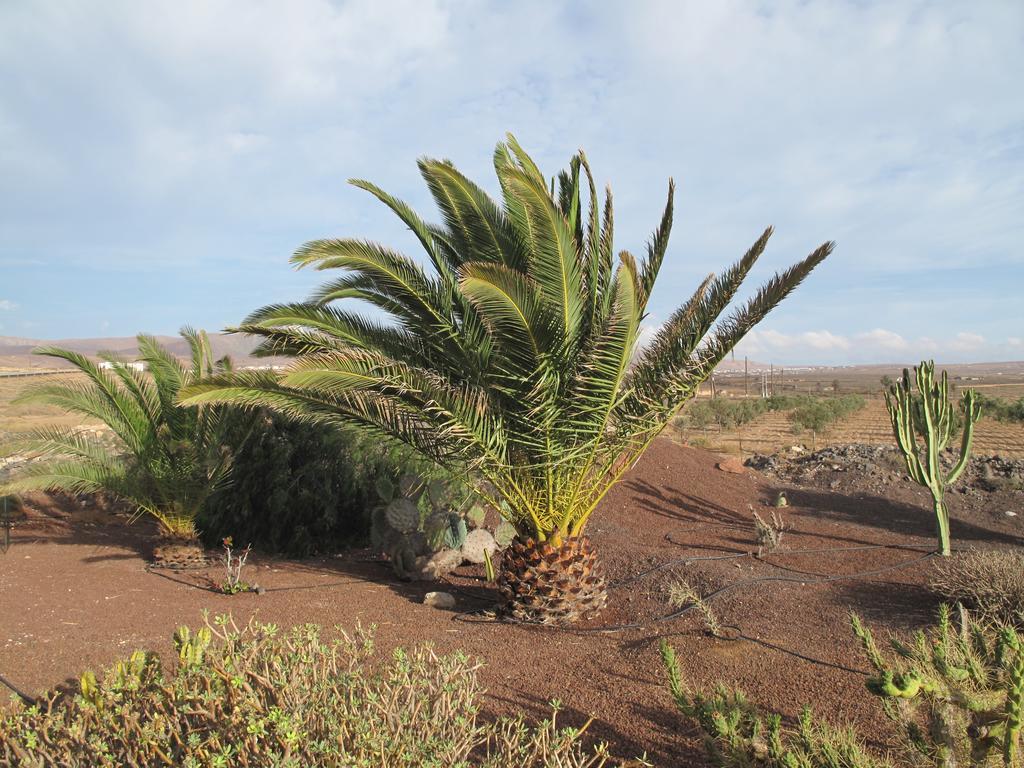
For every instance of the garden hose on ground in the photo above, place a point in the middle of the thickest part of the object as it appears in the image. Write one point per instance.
(17, 692)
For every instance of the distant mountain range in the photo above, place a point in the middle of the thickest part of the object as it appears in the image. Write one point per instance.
(17, 352)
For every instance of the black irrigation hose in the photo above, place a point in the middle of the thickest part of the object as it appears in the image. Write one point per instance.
(17, 692)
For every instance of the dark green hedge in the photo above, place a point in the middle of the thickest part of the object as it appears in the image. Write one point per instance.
(299, 489)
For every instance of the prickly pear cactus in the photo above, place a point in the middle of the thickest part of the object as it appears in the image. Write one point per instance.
(403, 515)
(475, 516)
(504, 534)
(385, 489)
(411, 487)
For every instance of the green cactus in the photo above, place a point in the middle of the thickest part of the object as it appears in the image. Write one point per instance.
(90, 688)
(191, 649)
(379, 527)
(476, 516)
(385, 489)
(928, 417)
(958, 691)
(403, 515)
(504, 534)
(411, 487)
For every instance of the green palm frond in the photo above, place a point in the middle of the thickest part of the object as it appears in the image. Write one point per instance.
(166, 458)
(516, 358)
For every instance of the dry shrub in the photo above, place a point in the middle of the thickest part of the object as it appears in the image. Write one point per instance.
(989, 581)
(682, 593)
(260, 697)
(769, 533)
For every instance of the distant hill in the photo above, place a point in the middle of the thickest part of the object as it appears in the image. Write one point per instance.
(17, 352)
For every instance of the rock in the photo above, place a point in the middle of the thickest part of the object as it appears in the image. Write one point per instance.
(731, 465)
(1009, 513)
(433, 567)
(444, 601)
(476, 543)
(258, 589)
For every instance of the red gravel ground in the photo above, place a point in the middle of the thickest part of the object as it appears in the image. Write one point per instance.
(75, 593)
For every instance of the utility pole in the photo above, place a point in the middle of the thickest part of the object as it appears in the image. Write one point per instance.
(746, 391)
(771, 379)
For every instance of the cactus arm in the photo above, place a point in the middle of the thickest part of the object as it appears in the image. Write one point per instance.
(972, 412)
(925, 386)
(901, 415)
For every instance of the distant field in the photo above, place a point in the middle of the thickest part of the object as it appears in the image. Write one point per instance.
(774, 431)
(766, 433)
(22, 418)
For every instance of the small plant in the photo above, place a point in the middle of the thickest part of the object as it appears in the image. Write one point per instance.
(737, 735)
(769, 532)
(958, 691)
(489, 574)
(682, 593)
(234, 564)
(259, 696)
(991, 582)
(926, 419)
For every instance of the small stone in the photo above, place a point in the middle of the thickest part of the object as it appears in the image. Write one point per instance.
(1009, 513)
(731, 465)
(476, 543)
(258, 589)
(441, 600)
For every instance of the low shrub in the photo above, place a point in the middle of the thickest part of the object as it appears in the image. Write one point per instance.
(297, 488)
(1001, 409)
(957, 691)
(991, 582)
(258, 696)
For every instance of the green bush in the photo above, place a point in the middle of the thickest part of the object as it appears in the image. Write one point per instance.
(1001, 409)
(819, 414)
(956, 691)
(298, 488)
(262, 697)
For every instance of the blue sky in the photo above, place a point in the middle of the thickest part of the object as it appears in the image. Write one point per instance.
(159, 162)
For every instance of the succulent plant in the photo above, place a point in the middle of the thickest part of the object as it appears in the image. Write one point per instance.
(385, 489)
(504, 534)
(418, 518)
(403, 515)
(476, 516)
(411, 486)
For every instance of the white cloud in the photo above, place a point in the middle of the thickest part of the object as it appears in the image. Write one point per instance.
(967, 342)
(221, 134)
(881, 339)
(6, 305)
(879, 345)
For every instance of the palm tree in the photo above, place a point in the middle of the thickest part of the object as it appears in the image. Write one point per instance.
(514, 359)
(167, 458)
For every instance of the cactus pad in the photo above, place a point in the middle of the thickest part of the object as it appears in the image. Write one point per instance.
(476, 515)
(504, 534)
(403, 515)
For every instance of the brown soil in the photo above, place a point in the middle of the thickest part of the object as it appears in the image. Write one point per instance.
(75, 593)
